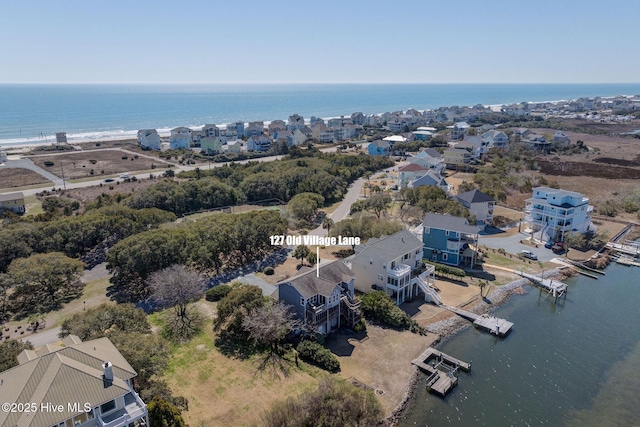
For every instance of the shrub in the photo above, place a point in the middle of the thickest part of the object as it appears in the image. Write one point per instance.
(268, 271)
(379, 306)
(361, 326)
(93, 161)
(316, 354)
(217, 292)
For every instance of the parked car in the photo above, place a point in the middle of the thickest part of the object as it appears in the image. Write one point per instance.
(529, 254)
(109, 180)
(558, 248)
(548, 245)
(125, 176)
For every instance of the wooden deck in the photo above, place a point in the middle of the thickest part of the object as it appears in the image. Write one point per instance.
(442, 370)
(627, 260)
(555, 287)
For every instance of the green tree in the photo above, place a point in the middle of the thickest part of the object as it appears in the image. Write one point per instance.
(327, 223)
(312, 258)
(44, 281)
(163, 414)
(574, 240)
(9, 351)
(379, 306)
(97, 322)
(301, 252)
(379, 203)
(305, 206)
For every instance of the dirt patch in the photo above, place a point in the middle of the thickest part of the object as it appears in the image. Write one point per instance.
(11, 178)
(618, 162)
(106, 162)
(88, 194)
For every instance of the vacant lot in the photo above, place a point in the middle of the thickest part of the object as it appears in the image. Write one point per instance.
(11, 178)
(96, 163)
(224, 391)
(380, 360)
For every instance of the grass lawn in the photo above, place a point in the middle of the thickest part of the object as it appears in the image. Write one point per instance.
(224, 391)
(33, 206)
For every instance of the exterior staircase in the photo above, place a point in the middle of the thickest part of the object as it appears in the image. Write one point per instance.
(430, 294)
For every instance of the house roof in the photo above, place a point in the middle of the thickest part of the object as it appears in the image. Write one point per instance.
(392, 247)
(7, 197)
(395, 138)
(380, 143)
(412, 167)
(475, 196)
(309, 283)
(430, 178)
(58, 375)
(449, 222)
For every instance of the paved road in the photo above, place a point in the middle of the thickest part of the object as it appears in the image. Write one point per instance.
(512, 245)
(41, 338)
(345, 206)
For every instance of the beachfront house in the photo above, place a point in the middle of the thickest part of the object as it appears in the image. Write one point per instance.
(479, 204)
(386, 263)
(13, 202)
(254, 129)
(321, 297)
(296, 138)
(258, 143)
(180, 138)
(91, 373)
(429, 158)
(295, 122)
(378, 148)
(211, 131)
(552, 213)
(3, 155)
(210, 145)
(276, 126)
(235, 146)
(537, 141)
(449, 240)
(149, 139)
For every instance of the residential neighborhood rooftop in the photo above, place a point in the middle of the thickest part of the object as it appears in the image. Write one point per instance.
(475, 196)
(393, 246)
(449, 222)
(309, 284)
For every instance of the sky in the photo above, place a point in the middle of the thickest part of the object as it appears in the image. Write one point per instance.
(349, 41)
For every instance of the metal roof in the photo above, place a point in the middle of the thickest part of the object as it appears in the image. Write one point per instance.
(331, 275)
(449, 222)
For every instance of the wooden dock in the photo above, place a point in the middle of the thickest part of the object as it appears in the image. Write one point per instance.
(628, 248)
(627, 260)
(554, 287)
(494, 325)
(442, 370)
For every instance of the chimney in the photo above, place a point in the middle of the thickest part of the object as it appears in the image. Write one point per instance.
(107, 369)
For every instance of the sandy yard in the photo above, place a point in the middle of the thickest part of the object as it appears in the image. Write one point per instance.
(14, 177)
(380, 360)
(106, 162)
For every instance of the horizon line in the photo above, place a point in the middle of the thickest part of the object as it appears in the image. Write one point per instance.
(314, 83)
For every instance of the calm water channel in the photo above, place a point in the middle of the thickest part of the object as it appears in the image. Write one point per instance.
(571, 363)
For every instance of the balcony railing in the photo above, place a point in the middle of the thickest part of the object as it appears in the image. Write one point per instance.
(399, 270)
(133, 410)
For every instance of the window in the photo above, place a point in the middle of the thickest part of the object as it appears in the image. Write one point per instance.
(301, 300)
(446, 233)
(444, 257)
(109, 406)
(371, 261)
(380, 278)
(80, 419)
(427, 230)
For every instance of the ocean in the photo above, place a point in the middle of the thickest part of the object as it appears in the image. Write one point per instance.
(34, 113)
(573, 363)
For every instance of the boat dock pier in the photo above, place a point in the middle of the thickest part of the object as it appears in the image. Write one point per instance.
(494, 325)
(442, 370)
(554, 287)
(627, 248)
(627, 260)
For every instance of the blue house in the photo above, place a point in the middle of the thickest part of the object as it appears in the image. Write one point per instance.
(449, 240)
(378, 148)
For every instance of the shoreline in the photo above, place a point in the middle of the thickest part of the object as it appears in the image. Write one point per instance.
(164, 132)
(446, 329)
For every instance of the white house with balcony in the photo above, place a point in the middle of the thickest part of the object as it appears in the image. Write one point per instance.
(386, 263)
(91, 381)
(180, 138)
(148, 139)
(552, 213)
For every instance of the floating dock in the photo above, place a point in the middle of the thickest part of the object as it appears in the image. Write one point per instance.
(442, 370)
(627, 248)
(494, 325)
(554, 287)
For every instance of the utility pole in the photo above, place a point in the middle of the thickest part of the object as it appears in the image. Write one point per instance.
(64, 183)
